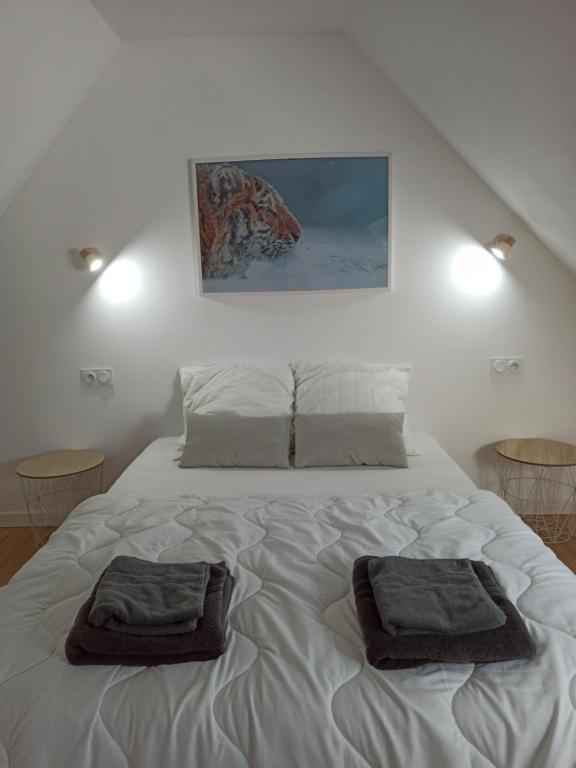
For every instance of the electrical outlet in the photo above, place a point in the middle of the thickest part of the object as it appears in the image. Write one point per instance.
(506, 364)
(96, 377)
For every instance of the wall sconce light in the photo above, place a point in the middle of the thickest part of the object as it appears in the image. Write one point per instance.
(92, 258)
(501, 246)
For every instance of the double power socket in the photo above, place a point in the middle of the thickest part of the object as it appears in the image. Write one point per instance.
(506, 364)
(96, 377)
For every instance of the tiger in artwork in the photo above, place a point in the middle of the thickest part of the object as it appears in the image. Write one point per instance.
(242, 218)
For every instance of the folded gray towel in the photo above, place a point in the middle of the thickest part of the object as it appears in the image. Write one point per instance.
(91, 645)
(144, 598)
(441, 596)
(384, 651)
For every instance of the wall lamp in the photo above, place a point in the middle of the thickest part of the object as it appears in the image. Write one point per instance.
(501, 246)
(92, 258)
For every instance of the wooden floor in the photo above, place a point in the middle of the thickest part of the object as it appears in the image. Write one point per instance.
(566, 552)
(17, 546)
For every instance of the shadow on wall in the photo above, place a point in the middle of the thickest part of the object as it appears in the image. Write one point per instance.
(117, 458)
(11, 498)
(173, 412)
(150, 428)
(487, 460)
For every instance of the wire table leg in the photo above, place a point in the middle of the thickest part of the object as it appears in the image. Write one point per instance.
(50, 500)
(545, 497)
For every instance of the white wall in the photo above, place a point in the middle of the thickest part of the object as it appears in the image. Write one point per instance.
(51, 51)
(116, 177)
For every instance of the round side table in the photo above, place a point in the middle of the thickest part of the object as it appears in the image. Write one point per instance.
(54, 483)
(538, 480)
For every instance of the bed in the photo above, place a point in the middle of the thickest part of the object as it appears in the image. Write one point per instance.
(293, 688)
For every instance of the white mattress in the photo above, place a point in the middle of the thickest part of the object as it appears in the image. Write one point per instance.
(293, 689)
(155, 473)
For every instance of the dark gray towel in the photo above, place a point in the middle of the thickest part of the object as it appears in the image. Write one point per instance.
(442, 596)
(93, 645)
(141, 629)
(146, 598)
(385, 651)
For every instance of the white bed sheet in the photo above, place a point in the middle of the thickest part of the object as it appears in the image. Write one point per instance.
(155, 474)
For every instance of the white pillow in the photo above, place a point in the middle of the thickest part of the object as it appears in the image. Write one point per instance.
(344, 388)
(237, 414)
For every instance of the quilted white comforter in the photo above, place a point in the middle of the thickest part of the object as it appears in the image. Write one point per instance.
(293, 689)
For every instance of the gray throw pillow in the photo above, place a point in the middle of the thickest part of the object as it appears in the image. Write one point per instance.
(236, 441)
(349, 439)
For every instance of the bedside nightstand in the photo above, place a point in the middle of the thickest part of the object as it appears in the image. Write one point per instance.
(537, 479)
(54, 483)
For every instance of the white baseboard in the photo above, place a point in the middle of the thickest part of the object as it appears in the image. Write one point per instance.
(16, 519)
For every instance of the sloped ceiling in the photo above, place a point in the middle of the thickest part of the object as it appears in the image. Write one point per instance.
(133, 19)
(50, 54)
(498, 80)
(495, 78)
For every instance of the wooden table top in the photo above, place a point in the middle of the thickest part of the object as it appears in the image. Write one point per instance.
(537, 451)
(59, 464)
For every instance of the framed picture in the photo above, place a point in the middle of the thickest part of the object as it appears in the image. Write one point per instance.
(309, 223)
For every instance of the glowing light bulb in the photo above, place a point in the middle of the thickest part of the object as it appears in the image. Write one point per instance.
(93, 259)
(95, 264)
(501, 246)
